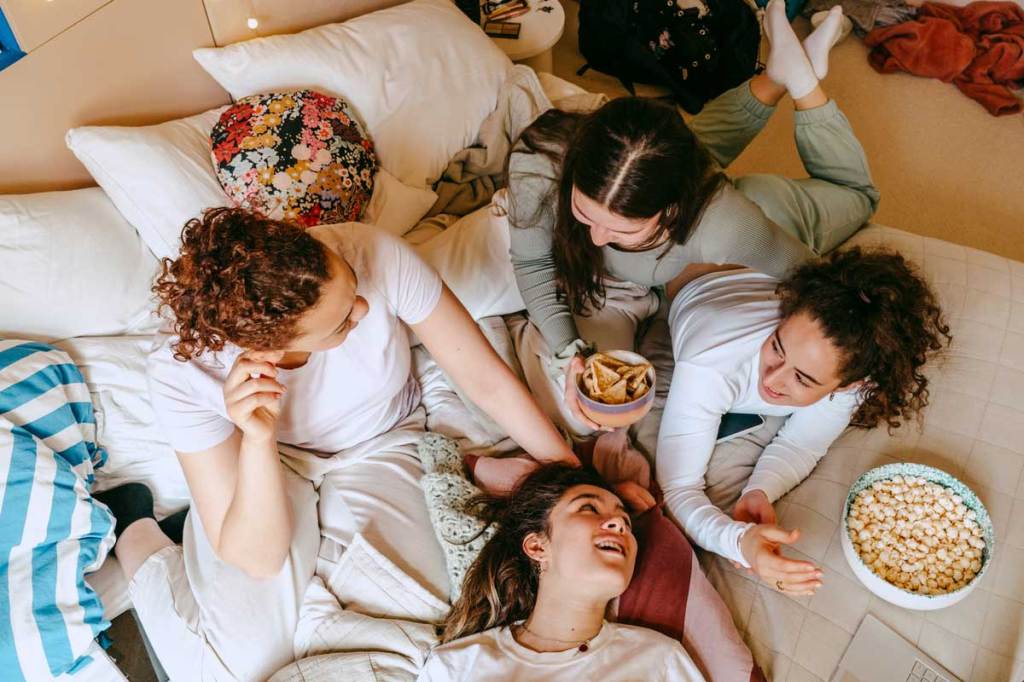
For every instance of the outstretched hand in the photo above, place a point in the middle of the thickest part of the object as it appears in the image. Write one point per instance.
(761, 545)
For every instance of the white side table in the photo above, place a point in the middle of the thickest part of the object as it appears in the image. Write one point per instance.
(540, 30)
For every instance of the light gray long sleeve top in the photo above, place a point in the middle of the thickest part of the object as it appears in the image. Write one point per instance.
(733, 229)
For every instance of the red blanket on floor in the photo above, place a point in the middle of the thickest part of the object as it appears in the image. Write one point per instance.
(979, 48)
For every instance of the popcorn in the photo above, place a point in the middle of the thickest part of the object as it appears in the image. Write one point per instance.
(917, 535)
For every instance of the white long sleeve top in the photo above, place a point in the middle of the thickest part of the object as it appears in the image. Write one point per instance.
(718, 324)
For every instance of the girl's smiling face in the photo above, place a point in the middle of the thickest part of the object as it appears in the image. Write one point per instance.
(799, 364)
(590, 545)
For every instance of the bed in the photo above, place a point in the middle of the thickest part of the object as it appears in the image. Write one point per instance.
(974, 427)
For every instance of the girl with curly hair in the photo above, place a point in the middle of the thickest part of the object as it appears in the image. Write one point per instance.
(533, 603)
(285, 343)
(840, 341)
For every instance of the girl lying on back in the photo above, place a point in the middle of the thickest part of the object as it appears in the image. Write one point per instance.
(533, 604)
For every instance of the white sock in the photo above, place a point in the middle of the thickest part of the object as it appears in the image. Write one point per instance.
(820, 42)
(788, 65)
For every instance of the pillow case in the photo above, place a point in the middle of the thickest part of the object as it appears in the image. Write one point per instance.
(158, 176)
(53, 532)
(395, 207)
(296, 156)
(161, 176)
(472, 258)
(72, 266)
(420, 75)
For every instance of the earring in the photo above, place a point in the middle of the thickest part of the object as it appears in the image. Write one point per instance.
(831, 396)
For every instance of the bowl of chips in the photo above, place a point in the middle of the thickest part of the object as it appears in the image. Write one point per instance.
(616, 388)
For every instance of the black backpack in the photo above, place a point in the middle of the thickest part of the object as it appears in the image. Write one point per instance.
(656, 42)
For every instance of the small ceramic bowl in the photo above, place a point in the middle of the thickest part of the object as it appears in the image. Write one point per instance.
(617, 416)
(883, 588)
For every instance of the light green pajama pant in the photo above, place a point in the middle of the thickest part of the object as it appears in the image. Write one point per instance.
(823, 210)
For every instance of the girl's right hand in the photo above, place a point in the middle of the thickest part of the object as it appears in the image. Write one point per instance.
(252, 394)
(760, 547)
(572, 377)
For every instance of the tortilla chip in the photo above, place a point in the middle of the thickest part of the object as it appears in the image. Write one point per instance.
(609, 362)
(639, 391)
(635, 375)
(604, 375)
(616, 394)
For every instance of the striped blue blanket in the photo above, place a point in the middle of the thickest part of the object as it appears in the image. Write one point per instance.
(51, 531)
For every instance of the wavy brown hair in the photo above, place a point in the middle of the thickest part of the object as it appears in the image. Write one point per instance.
(501, 585)
(240, 278)
(884, 319)
(637, 157)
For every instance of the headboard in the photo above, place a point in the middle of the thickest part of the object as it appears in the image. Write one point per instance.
(122, 62)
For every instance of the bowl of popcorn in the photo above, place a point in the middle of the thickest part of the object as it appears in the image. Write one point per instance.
(916, 536)
(616, 388)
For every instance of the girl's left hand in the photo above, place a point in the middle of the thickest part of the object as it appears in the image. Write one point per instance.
(754, 507)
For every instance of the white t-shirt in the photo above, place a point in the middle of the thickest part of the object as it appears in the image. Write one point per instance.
(718, 323)
(619, 653)
(340, 397)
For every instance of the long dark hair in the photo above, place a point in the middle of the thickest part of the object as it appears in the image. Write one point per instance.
(884, 319)
(501, 585)
(635, 156)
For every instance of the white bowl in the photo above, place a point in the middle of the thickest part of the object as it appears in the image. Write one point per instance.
(883, 588)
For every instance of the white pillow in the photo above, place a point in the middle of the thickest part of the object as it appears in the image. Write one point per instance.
(159, 176)
(70, 266)
(421, 75)
(395, 207)
(162, 176)
(472, 259)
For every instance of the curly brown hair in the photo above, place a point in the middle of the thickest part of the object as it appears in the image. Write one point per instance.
(240, 278)
(884, 319)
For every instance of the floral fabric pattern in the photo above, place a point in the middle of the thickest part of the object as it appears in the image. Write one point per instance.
(300, 157)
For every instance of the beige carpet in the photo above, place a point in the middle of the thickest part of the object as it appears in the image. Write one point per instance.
(945, 167)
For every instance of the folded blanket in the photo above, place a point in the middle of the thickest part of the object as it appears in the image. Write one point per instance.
(51, 530)
(979, 48)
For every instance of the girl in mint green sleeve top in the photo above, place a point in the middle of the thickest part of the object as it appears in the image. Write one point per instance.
(606, 206)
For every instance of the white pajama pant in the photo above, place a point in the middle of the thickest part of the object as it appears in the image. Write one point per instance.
(207, 620)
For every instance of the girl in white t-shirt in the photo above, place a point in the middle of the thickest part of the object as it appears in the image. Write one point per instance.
(533, 603)
(839, 341)
(296, 339)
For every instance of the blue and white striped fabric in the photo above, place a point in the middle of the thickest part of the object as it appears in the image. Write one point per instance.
(51, 531)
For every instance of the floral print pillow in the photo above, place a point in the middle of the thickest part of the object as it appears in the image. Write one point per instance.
(300, 157)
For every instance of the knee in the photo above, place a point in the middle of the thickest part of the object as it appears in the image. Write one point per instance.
(873, 196)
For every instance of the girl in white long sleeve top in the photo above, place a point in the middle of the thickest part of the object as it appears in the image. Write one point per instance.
(839, 339)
